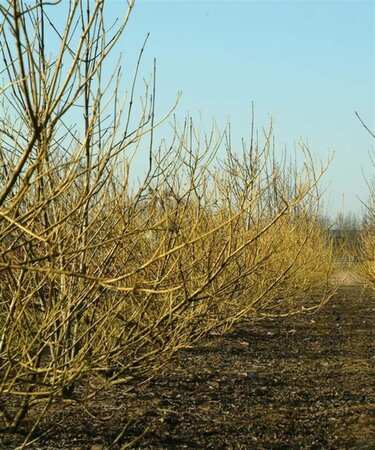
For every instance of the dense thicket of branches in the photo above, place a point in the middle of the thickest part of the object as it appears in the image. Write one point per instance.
(104, 276)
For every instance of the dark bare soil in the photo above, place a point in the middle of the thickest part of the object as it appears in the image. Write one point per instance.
(303, 382)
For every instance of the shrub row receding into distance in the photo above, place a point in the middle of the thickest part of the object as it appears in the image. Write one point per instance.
(104, 275)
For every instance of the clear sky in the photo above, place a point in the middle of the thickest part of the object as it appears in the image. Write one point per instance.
(307, 64)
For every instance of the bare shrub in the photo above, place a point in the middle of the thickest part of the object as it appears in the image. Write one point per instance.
(103, 278)
(366, 249)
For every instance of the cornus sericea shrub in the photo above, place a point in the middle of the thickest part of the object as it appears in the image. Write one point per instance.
(104, 276)
(366, 246)
(367, 241)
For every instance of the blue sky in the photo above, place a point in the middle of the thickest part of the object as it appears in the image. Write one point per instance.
(307, 64)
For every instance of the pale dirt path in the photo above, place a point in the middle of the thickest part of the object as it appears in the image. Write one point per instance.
(346, 278)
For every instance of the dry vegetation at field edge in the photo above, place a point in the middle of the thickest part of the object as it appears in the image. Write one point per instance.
(296, 382)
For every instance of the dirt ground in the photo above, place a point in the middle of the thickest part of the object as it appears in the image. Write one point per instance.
(303, 382)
